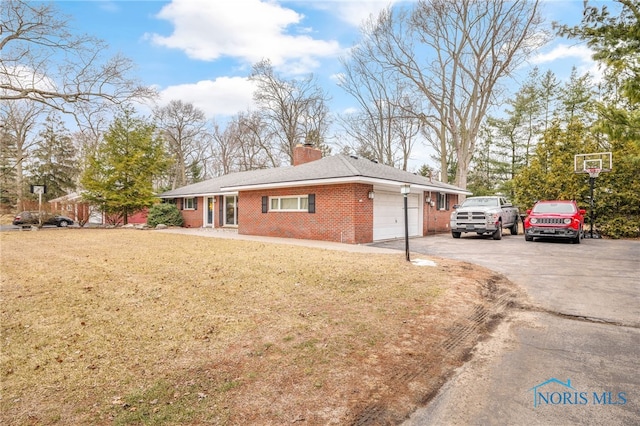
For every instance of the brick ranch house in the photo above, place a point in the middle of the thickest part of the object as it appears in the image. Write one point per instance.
(338, 198)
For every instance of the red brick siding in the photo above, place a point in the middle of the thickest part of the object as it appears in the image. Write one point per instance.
(340, 215)
(435, 220)
(344, 213)
(192, 218)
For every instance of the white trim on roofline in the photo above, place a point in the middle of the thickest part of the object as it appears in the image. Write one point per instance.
(200, 194)
(349, 179)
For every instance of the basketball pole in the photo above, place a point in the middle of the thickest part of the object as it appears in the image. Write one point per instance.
(592, 181)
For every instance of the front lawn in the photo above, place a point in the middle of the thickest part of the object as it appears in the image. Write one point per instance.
(140, 327)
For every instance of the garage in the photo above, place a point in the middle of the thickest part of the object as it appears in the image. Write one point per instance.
(388, 215)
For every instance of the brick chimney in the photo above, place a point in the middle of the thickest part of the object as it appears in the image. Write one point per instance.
(305, 154)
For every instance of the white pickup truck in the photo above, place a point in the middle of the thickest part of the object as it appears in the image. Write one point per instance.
(484, 215)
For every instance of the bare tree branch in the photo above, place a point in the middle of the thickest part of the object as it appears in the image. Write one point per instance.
(455, 53)
(43, 61)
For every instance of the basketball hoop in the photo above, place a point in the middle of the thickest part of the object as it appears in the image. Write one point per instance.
(593, 172)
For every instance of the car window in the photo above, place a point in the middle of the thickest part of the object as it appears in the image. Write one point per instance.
(472, 202)
(554, 208)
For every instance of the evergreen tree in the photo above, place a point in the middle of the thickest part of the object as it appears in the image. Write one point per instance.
(54, 159)
(615, 40)
(8, 193)
(549, 88)
(550, 175)
(426, 171)
(510, 140)
(119, 177)
(577, 98)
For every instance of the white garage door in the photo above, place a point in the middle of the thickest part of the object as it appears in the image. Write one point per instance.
(388, 215)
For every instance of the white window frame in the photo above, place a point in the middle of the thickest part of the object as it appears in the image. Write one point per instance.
(442, 201)
(278, 203)
(189, 203)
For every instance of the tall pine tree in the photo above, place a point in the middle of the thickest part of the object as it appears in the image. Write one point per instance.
(119, 178)
(54, 162)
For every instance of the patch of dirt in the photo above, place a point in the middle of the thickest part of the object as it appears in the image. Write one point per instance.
(423, 374)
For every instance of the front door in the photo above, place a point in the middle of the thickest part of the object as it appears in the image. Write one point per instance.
(231, 210)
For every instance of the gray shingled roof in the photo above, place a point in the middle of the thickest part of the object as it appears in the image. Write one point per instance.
(216, 185)
(325, 169)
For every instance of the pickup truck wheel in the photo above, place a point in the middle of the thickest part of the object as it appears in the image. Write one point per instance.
(497, 235)
(514, 228)
(455, 234)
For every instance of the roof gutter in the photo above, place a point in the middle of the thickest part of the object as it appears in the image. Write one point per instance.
(350, 179)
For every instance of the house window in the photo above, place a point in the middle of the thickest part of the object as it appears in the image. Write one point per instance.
(443, 202)
(289, 204)
(231, 210)
(189, 204)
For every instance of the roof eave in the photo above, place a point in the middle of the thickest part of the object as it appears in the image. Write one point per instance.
(347, 179)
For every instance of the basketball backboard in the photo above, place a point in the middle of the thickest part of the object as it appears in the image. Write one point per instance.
(598, 162)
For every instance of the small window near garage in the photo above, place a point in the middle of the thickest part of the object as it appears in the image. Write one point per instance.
(289, 204)
(189, 204)
(443, 202)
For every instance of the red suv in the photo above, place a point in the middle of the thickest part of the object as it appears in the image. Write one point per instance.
(554, 219)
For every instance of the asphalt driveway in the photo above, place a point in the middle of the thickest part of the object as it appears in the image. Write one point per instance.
(569, 355)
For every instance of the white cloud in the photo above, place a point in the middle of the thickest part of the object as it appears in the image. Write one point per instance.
(563, 51)
(224, 96)
(249, 30)
(355, 12)
(580, 56)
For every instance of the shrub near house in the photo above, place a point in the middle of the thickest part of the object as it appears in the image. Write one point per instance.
(166, 214)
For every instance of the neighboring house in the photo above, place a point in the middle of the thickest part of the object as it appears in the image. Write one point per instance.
(339, 198)
(72, 205)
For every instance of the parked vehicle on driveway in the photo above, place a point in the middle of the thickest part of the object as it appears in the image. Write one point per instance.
(484, 215)
(555, 219)
(33, 218)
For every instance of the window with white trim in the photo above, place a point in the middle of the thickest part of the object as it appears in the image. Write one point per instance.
(189, 204)
(298, 203)
(442, 201)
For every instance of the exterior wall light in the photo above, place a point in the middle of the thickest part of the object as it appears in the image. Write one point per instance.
(371, 195)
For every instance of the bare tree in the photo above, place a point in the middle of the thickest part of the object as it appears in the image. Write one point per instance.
(292, 109)
(43, 61)
(255, 150)
(20, 121)
(454, 53)
(183, 127)
(384, 127)
(223, 151)
(244, 144)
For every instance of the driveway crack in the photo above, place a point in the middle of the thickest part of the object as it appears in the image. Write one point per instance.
(574, 317)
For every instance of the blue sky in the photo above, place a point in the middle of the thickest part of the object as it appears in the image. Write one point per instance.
(201, 51)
